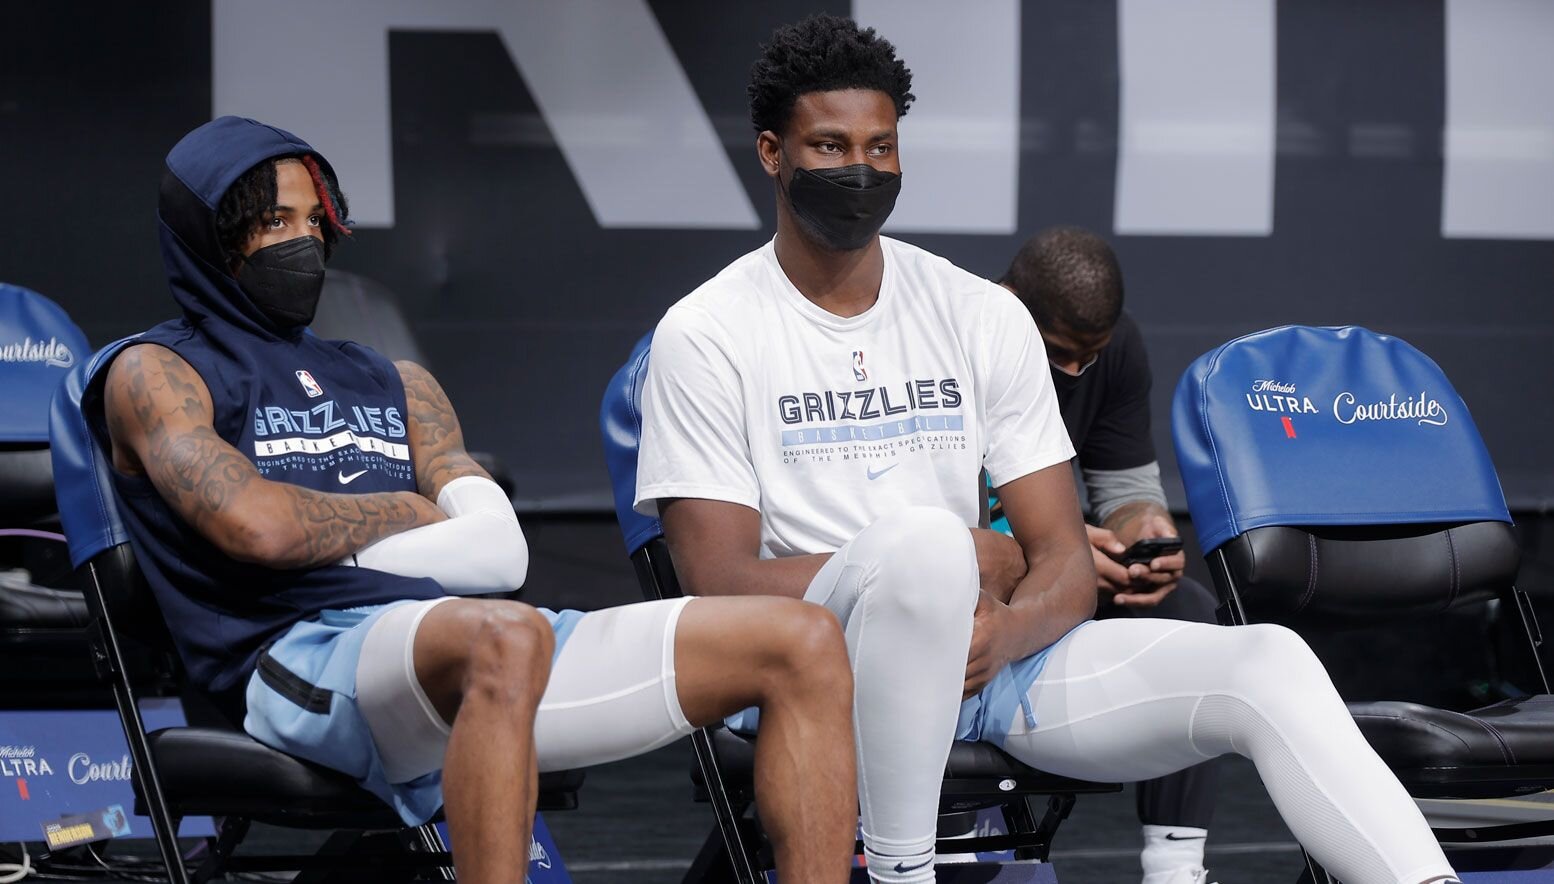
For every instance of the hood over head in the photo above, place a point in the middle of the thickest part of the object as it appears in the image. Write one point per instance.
(200, 169)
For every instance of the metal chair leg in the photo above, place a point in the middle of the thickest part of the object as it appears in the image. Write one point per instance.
(1313, 873)
(1022, 818)
(232, 832)
(109, 660)
(429, 840)
(739, 853)
(1534, 632)
(711, 864)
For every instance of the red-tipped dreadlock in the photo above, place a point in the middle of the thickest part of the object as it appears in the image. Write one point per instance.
(326, 196)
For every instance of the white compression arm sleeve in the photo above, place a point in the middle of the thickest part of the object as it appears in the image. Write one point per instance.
(479, 549)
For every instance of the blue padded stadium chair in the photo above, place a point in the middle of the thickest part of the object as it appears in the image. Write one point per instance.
(1337, 480)
(978, 775)
(43, 663)
(213, 771)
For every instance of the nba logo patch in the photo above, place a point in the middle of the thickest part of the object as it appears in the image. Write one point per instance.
(308, 384)
(859, 372)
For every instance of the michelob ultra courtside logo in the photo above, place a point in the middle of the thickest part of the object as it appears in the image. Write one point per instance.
(1283, 399)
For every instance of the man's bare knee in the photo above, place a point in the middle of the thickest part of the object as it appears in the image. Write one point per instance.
(510, 648)
(808, 653)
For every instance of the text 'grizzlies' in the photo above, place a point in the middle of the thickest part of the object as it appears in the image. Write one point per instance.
(328, 417)
(870, 403)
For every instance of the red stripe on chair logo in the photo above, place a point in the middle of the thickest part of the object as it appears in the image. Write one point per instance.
(1289, 428)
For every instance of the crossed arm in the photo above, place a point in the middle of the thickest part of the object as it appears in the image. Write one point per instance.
(481, 548)
(1056, 592)
(1036, 587)
(159, 415)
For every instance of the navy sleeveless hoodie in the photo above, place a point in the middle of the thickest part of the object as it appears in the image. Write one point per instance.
(326, 415)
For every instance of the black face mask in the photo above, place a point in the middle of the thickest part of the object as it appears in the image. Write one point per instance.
(285, 280)
(843, 207)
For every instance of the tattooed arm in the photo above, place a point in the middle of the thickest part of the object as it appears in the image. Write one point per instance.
(436, 440)
(160, 423)
(480, 548)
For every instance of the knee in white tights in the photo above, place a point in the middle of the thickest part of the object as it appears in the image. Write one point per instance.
(915, 561)
(1271, 675)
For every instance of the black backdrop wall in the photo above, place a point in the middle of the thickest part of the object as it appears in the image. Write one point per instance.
(526, 305)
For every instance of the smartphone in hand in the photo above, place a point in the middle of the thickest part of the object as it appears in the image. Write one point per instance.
(1149, 549)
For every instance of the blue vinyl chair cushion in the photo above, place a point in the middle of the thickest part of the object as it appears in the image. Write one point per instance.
(1306, 426)
(620, 418)
(38, 345)
(83, 485)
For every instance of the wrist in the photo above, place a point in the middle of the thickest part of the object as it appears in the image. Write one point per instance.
(1125, 523)
(1139, 520)
(1022, 632)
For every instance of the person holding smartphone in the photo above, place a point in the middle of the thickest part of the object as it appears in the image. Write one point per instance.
(1071, 282)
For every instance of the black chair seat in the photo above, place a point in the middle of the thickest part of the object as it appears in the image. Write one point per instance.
(973, 770)
(1506, 748)
(49, 668)
(38, 607)
(978, 761)
(27, 475)
(45, 649)
(219, 772)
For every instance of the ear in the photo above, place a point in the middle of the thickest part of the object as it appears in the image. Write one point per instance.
(768, 149)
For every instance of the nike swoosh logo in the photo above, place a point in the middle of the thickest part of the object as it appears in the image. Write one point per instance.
(873, 475)
(902, 868)
(1172, 836)
(346, 480)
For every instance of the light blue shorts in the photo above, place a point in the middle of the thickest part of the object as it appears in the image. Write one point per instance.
(985, 717)
(302, 701)
(988, 715)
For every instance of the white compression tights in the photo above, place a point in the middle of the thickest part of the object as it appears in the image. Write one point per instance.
(1128, 700)
(1119, 701)
(904, 589)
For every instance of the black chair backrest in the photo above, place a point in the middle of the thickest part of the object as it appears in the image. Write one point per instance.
(1350, 575)
(655, 571)
(26, 484)
(128, 600)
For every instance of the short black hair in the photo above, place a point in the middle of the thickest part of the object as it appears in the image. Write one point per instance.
(823, 53)
(1069, 279)
(246, 205)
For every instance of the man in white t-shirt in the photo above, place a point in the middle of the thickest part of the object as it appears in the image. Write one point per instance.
(815, 420)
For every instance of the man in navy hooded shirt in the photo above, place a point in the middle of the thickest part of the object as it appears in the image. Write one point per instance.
(306, 514)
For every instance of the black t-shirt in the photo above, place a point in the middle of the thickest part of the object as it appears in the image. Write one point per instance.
(1106, 409)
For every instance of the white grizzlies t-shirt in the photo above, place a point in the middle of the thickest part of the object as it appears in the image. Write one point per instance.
(823, 424)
